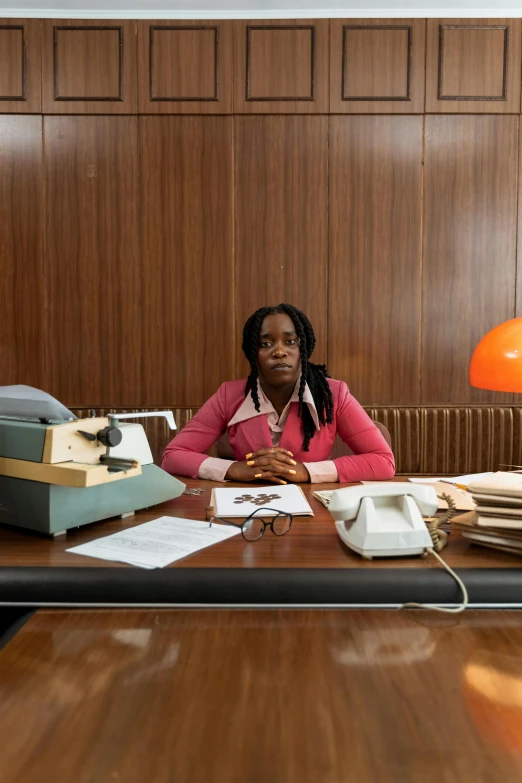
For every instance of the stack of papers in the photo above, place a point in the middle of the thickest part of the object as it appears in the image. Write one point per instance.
(497, 520)
(505, 539)
(158, 543)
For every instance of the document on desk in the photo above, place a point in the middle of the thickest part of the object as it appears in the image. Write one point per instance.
(239, 502)
(158, 543)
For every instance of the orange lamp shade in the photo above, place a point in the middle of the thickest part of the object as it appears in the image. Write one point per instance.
(496, 363)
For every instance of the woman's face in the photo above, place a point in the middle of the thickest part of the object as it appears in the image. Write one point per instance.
(278, 355)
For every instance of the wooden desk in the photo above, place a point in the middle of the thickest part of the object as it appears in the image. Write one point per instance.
(37, 570)
(291, 697)
(312, 542)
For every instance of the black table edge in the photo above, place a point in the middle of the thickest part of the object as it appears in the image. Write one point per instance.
(55, 586)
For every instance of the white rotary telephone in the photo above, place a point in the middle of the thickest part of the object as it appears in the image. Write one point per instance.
(385, 519)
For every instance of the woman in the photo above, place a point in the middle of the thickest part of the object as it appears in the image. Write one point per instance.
(282, 423)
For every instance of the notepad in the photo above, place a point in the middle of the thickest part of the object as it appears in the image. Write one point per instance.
(243, 501)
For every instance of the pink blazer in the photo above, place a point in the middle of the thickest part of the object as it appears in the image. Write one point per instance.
(372, 458)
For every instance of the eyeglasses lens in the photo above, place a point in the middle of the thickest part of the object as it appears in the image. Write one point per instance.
(281, 524)
(253, 528)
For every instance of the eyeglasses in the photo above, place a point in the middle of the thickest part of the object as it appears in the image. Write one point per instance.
(253, 528)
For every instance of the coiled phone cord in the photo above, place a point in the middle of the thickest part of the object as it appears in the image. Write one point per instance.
(440, 537)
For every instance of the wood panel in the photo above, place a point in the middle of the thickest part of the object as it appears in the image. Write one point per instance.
(89, 66)
(470, 214)
(23, 349)
(185, 67)
(293, 696)
(20, 63)
(473, 65)
(375, 253)
(377, 66)
(281, 231)
(187, 253)
(518, 281)
(92, 259)
(281, 66)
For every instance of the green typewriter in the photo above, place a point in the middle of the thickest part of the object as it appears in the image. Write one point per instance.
(58, 472)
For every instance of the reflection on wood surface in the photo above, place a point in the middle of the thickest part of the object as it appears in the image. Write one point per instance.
(257, 696)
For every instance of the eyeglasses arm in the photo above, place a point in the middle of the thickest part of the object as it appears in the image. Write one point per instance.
(226, 521)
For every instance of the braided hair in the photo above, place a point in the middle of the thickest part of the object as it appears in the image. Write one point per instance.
(314, 375)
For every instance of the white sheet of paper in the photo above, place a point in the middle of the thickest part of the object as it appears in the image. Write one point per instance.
(157, 543)
(465, 480)
(235, 502)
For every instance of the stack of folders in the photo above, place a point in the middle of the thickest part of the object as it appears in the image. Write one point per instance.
(497, 519)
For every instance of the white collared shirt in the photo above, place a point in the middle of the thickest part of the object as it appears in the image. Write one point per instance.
(276, 423)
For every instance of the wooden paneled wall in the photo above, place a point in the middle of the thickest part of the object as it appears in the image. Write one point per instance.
(161, 180)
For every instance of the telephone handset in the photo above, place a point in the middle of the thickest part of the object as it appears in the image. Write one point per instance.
(384, 519)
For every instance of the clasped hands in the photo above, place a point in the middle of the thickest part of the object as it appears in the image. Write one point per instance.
(275, 464)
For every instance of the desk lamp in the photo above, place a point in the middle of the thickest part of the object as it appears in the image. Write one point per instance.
(496, 363)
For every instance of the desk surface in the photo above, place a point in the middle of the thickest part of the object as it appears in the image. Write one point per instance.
(312, 542)
(310, 566)
(287, 696)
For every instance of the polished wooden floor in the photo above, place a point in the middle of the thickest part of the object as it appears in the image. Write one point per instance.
(289, 697)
